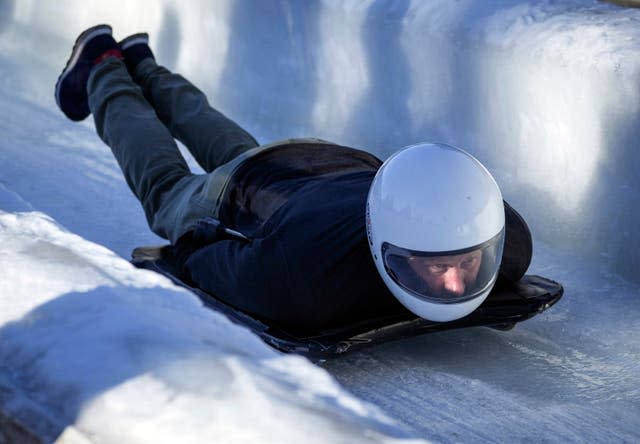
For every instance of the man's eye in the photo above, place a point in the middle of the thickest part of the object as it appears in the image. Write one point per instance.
(438, 268)
(469, 263)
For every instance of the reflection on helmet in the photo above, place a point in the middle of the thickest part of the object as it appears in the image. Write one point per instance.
(435, 224)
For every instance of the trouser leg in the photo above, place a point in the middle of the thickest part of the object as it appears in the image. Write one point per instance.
(212, 138)
(148, 155)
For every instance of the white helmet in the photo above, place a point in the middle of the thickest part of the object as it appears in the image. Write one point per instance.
(435, 225)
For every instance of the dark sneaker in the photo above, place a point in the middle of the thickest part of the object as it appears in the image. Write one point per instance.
(135, 49)
(92, 46)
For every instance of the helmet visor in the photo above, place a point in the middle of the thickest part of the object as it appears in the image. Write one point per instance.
(448, 277)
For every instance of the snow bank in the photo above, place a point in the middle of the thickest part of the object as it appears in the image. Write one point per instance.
(122, 355)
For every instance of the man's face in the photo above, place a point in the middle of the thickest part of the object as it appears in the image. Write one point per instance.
(448, 275)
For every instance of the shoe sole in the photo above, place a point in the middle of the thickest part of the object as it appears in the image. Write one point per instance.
(135, 39)
(78, 46)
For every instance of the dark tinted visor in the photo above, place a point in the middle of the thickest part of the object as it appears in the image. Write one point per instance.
(446, 277)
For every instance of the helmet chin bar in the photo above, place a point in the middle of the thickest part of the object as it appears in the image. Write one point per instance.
(439, 312)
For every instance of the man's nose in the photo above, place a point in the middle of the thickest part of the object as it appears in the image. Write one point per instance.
(454, 281)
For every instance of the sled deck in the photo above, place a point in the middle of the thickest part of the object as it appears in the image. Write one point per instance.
(507, 304)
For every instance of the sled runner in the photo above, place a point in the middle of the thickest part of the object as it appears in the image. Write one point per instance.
(507, 304)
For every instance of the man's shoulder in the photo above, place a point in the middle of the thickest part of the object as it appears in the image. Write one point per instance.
(320, 148)
(298, 141)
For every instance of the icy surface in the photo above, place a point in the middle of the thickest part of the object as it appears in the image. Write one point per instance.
(545, 93)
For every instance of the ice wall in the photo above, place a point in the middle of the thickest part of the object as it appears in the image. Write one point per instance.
(545, 93)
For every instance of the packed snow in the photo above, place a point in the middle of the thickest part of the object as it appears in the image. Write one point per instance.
(545, 93)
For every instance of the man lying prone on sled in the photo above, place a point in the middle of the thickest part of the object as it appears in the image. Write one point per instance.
(302, 232)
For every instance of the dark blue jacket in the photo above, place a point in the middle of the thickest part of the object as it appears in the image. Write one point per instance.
(306, 262)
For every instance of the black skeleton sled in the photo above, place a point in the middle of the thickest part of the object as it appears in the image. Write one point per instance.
(507, 304)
